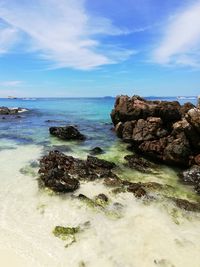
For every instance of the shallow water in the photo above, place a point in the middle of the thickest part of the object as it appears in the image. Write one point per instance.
(129, 232)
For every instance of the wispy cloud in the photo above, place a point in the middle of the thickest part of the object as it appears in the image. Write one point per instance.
(62, 32)
(180, 42)
(8, 37)
(11, 83)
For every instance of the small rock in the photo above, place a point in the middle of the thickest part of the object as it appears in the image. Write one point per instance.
(96, 151)
(66, 133)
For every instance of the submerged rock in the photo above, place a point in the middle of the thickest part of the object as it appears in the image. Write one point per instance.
(139, 163)
(66, 133)
(101, 199)
(137, 189)
(186, 205)
(66, 234)
(96, 151)
(62, 173)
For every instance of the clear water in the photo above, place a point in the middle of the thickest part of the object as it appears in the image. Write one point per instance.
(131, 233)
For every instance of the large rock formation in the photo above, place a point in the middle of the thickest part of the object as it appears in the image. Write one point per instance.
(162, 130)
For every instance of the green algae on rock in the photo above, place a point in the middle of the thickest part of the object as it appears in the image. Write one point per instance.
(66, 234)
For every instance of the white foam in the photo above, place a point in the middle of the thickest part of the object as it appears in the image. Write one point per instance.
(145, 235)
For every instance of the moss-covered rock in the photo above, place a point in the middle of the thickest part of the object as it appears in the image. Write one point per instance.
(66, 234)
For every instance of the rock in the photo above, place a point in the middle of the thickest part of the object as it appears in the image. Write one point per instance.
(149, 129)
(162, 130)
(119, 129)
(101, 199)
(197, 159)
(135, 108)
(67, 234)
(94, 162)
(112, 181)
(191, 176)
(96, 203)
(127, 131)
(66, 133)
(186, 107)
(137, 189)
(193, 117)
(186, 205)
(155, 148)
(11, 111)
(96, 151)
(178, 151)
(139, 163)
(62, 173)
(190, 132)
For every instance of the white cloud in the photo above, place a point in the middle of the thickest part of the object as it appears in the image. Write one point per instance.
(63, 32)
(11, 83)
(181, 39)
(8, 36)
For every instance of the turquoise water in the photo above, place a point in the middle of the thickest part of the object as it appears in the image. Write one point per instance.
(128, 232)
(91, 115)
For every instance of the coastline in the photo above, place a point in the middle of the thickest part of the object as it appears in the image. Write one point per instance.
(153, 233)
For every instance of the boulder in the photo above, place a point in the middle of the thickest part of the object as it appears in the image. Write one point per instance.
(193, 117)
(149, 129)
(192, 177)
(62, 173)
(135, 108)
(162, 130)
(66, 133)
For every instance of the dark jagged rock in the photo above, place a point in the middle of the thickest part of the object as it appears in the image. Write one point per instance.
(101, 198)
(162, 130)
(197, 159)
(186, 107)
(66, 133)
(149, 129)
(192, 177)
(10, 111)
(137, 189)
(139, 163)
(193, 117)
(96, 151)
(135, 108)
(94, 162)
(186, 205)
(62, 173)
(112, 181)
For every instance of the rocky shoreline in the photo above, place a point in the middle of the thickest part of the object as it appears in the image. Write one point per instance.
(156, 131)
(161, 131)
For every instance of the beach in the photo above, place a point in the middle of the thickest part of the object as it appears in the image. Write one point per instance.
(128, 232)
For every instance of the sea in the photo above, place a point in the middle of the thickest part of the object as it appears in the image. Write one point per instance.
(130, 232)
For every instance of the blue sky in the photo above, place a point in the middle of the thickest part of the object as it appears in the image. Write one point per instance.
(97, 48)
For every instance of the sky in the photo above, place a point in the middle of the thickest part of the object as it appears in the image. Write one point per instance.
(90, 48)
